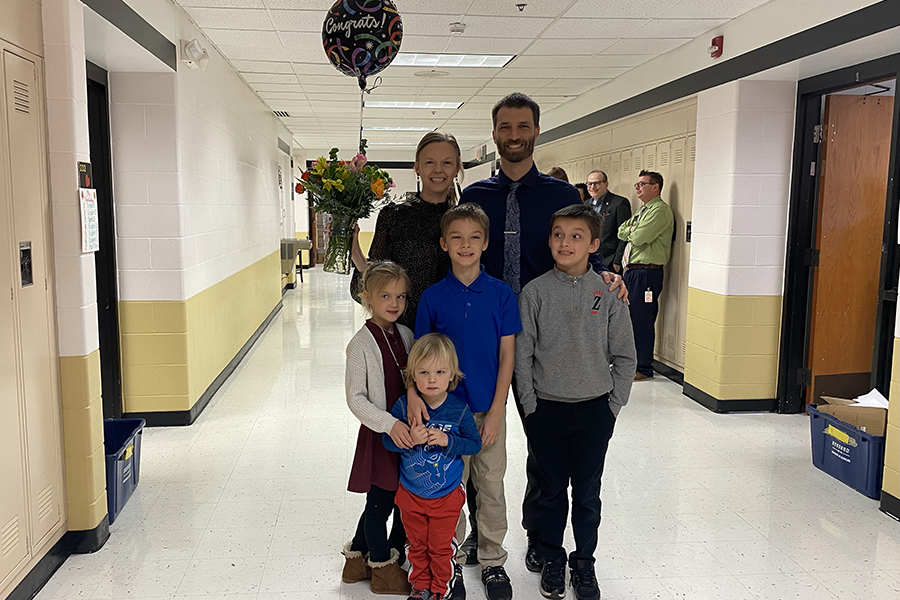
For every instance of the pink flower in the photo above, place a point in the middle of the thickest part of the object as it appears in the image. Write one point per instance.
(356, 165)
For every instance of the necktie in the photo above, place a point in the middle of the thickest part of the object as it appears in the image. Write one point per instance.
(626, 256)
(511, 244)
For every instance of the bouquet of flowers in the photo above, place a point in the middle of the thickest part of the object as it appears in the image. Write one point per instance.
(348, 191)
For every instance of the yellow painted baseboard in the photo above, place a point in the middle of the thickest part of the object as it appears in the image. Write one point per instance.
(173, 350)
(891, 481)
(80, 388)
(731, 349)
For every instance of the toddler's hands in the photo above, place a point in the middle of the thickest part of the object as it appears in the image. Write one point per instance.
(436, 437)
(401, 436)
(419, 434)
(415, 407)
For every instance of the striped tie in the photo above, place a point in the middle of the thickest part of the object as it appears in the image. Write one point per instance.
(511, 249)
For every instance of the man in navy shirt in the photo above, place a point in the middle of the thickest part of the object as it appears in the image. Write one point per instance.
(519, 200)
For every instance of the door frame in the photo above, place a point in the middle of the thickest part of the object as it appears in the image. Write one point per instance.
(793, 359)
(105, 258)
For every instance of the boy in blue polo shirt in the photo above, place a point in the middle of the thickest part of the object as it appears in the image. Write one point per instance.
(481, 315)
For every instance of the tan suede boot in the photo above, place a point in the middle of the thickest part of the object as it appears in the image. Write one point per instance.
(356, 566)
(389, 578)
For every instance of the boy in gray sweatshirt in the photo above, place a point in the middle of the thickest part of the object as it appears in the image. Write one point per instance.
(572, 328)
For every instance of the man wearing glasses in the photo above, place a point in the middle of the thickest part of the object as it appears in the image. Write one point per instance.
(648, 238)
(615, 210)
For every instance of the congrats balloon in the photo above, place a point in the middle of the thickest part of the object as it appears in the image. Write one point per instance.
(362, 37)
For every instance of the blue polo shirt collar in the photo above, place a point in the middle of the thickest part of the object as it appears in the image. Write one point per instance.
(457, 286)
(529, 179)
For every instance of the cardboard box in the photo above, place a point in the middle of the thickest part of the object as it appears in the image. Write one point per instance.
(868, 419)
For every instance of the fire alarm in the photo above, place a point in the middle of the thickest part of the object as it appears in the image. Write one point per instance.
(715, 48)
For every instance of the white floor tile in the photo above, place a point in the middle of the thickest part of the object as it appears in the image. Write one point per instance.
(251, 502)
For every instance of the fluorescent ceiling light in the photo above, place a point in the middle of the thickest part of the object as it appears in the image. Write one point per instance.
(412, 59)
(384, 128)
(395, 104)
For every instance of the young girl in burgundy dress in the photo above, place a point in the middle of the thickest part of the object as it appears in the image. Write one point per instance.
(376, 359)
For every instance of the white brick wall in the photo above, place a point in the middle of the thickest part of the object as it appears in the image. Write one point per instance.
(745, 131)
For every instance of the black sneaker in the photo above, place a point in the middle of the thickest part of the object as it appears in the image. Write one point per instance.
(496, 583)
(419, 595)
(584, 580)
(458, 590)
(534, 560)
(470, 547)
(553, 579)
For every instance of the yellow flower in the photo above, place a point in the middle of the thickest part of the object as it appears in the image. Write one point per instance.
(333, 183)
(320, 166)
(377, 188)
(342, 172)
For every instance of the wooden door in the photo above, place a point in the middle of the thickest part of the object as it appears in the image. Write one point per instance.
(850, 227)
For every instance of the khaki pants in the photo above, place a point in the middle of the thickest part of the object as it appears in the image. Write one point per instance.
(488, 469)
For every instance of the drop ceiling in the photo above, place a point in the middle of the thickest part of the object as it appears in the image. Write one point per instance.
(563, 49)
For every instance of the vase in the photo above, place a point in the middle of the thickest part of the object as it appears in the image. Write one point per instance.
(340, 241)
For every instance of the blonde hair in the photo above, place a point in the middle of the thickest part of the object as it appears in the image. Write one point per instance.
(377, 276)
(433, 137)
(433, 346)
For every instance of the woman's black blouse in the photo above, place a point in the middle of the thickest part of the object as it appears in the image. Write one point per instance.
(408, 233)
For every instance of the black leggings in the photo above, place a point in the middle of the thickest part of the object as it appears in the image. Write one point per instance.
(371, 532)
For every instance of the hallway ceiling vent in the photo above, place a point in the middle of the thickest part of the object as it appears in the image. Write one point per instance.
(281, 113)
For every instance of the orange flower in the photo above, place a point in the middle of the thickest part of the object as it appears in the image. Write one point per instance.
(377, 188)
(299, 188)
(305, 176)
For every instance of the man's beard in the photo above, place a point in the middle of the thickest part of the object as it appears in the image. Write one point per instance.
(518, 155)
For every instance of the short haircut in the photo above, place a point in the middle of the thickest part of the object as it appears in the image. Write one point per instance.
(469, 210)
(558, 173)
(582, 212)
(377, 276)
(517, 100)
(605, 178)
(433, 346)
(654, 178)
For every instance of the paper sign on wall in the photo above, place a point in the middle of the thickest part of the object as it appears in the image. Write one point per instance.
(90, 228)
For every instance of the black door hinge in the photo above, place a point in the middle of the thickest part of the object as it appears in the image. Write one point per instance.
(811, 257)
(804, 377)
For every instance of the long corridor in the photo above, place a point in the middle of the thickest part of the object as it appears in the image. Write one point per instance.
(250, 502)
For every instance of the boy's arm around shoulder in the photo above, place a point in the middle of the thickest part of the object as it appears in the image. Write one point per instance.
(356, 386)
(399, 412)
(622, 355)
(468, 442)
(524, 351)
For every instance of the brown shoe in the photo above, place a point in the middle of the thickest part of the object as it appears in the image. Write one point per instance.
(389, 578)
(356, 567)
(642, 377)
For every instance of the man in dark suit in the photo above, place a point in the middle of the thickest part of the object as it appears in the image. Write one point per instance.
(614, 210)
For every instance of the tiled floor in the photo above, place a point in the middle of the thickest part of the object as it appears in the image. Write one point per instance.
(249, 503)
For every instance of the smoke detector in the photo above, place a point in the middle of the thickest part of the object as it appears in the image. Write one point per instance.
(521, 6)
(431, 73)
(457, 28)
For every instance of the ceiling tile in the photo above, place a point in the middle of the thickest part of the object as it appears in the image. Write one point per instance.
(497, 27)
(677, 28)
(261, 66)
(223, 3)
(618, 60)
(282, 78)
(544, 47)
(710, 9)
(646, 9)
(651, 46)
(246, 39)
(231, 18)
(315, 69)
(276, 54)
(544, 8)
(585, 29)
(566, 70)
(278, 87)
(298, 20)
(571, 87)
(300, 5)
(521, 62)
(423, 43)
(486, 45)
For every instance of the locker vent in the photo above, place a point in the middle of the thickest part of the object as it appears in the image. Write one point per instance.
(281, 113)
(637, 163)
(670, 342)
(21, 96)
(693, 153)
(625, 165)
(683, 347)
(615, 168)
(9, 536)
(663, 158)
(650, 160)
(45, 503)
(679, 156)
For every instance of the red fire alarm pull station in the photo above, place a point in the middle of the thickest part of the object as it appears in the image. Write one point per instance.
(715, 48)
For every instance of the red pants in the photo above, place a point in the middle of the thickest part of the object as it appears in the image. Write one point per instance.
(431, 530)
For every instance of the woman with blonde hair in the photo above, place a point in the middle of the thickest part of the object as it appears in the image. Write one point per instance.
(409, 232)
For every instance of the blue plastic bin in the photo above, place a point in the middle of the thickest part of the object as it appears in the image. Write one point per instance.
(122, 442)
(846, 453)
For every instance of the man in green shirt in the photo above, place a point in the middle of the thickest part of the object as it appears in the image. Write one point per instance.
(649, 237)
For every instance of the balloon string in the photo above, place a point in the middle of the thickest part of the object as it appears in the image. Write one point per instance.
(362, 108)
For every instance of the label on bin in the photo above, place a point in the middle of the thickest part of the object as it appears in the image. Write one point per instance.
(839, 435)
(128, 452)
